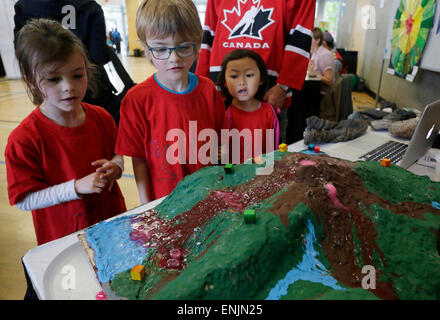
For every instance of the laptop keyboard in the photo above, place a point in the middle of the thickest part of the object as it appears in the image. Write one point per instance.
(392, 150)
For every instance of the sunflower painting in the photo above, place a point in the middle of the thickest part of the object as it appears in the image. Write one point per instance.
(412, 24)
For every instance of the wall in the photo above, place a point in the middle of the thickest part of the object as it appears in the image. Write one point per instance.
(426, 86)
(346, 25)
(7, 39)
(320, 5)
(358, 33)
(131, 9)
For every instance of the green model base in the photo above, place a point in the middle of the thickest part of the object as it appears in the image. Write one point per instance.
(304, 244)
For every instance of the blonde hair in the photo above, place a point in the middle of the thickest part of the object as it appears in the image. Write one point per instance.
(159, 19)
(43, 41)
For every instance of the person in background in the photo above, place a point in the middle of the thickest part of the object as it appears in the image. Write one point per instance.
(110, 38)
(243, 82)
(279, 31)
(306, 102)
(321, 62)
(172, 106)
(340, 65)
(117, 40)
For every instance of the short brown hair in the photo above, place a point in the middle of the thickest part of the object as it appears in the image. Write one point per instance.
(43, 41)
(318, 34)
(160, 18)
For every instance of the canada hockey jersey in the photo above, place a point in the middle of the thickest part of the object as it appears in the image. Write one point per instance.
(279, 30)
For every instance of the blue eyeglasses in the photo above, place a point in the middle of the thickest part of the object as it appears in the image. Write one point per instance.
(163, 53)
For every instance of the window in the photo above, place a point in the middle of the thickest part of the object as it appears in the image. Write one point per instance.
(201, 8)
(328, 13)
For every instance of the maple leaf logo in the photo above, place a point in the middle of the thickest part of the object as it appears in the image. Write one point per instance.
(247, 19)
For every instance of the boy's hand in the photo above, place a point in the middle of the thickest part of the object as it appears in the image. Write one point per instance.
(91, 183)
(108, 170)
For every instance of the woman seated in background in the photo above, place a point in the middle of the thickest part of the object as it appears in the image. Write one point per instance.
(307, 101)
(321, 62)
(340, 66)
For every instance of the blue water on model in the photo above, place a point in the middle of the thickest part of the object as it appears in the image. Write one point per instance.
(115, 252)
(108, 237)
(310, 268)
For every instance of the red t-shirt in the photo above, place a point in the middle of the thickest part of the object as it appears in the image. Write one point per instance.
(149, 112)
(40, 154)
(263, 118)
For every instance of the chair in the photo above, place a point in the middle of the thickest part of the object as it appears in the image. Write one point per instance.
(346, 102)
(337, 105)
(329, 109)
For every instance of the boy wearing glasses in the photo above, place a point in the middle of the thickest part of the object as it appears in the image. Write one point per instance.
(171, 107)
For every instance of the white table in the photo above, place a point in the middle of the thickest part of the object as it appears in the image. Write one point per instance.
(315, 77)
(341, 149)
(60, 269)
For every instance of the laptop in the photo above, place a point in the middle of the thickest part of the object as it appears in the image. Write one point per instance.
(374, 146)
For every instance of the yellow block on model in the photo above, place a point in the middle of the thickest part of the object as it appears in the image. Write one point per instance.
(138, 272)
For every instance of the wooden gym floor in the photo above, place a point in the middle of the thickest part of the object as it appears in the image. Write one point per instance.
(16, 227)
